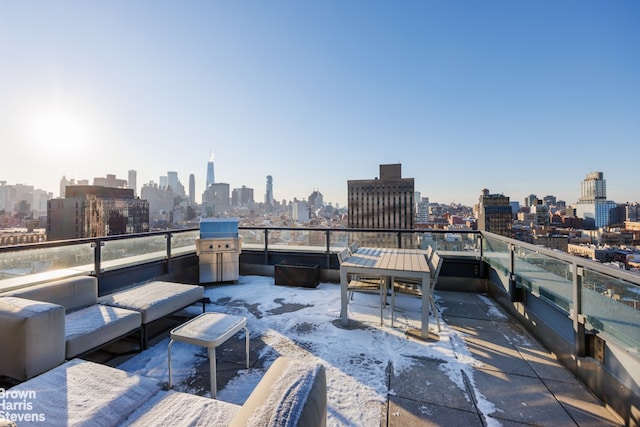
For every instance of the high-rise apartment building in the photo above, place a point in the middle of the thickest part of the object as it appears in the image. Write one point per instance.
(268, 197)
(96, 211)
(242, 196)
(422, 212)
(382, 203)
(593, 204)
(132, 182)
(192, 188)
(494, 213)
(215, 199)
(316, 200)
(211, 179)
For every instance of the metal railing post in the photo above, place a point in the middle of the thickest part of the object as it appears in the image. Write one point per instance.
(578, 318)
(513, 291)
(168, 256)
(481, 238)
(97, 257)
(328, 240)
(266, 246)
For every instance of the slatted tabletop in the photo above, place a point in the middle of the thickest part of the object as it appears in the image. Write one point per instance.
(402, 260)
(406, 263)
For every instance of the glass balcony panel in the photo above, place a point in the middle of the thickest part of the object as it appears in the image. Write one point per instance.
(184, 242)
(550, 278)
(137, 250)
(612, 305)
(252, 239)
(297, 239)
(372, 239)
(497, 254)
(39, 265)
(450, 242)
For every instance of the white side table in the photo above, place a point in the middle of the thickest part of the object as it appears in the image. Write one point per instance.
(209, 330)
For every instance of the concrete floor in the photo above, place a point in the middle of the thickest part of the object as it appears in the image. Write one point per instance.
(525, 384)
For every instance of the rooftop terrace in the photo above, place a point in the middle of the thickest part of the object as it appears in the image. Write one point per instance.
(512, 351)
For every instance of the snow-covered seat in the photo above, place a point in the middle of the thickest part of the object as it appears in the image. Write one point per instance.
(86, 324)
(155, 300)
(292, 392)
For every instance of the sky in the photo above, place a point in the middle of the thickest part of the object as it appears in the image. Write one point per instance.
(520, 97)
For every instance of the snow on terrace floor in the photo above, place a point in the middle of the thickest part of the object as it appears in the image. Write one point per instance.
(356, 359)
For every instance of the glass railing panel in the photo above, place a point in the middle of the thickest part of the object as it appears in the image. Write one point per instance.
(339, 240)
(297, 239)
(252, 239)
(120, 253)
(44, 264)
(612, 305)
(371, 239)
(184, 242)
(550, 278)
(450, 242)
(497, 254)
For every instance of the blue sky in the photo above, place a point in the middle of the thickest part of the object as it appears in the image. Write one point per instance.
(519, 97)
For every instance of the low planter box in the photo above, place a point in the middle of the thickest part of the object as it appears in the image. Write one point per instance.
(297, 275)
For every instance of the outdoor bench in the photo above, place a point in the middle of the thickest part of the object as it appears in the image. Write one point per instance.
(292, 392)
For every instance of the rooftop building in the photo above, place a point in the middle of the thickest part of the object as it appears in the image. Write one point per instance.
(515, 346)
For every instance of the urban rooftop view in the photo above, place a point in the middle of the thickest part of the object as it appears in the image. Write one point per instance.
(319, 213)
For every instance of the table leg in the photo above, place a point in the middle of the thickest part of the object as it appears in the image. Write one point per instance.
(343, 297)
(426, 303)
(246, 337)
(169, 359)
(212, 374)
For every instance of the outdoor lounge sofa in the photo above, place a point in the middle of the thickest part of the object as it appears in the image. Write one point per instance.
(291, 393)
(41, 326)
(155, 300)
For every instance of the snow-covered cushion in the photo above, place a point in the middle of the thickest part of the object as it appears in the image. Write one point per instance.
(155, 300)
(31, 337)
(180, 409)
(292, 393)
(96, 325)
(82, 393)
(72, 293)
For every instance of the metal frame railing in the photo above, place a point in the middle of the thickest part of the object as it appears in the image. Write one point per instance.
(600, 300)
(597, 298)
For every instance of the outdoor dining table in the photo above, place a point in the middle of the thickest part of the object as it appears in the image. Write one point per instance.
(390, 263)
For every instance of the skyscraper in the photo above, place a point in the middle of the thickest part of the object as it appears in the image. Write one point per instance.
(386, 202)
(210, 174)
(132, 182)
(192, 188)
(172, 180)
(593, 204)
(268, 197)
(95, 211)
(494, 213)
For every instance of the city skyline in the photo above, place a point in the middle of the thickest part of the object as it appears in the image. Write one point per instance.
(516, 97)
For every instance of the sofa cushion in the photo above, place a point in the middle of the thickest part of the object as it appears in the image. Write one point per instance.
(31, 337)
(173, 408)
(155, 300)
(85, 393)
(96, 325)
(72, 293)
(292, 393)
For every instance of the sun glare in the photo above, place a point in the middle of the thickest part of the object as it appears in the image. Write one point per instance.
(59, 130)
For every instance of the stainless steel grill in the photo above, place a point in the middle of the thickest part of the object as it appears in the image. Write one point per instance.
(219, 250)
